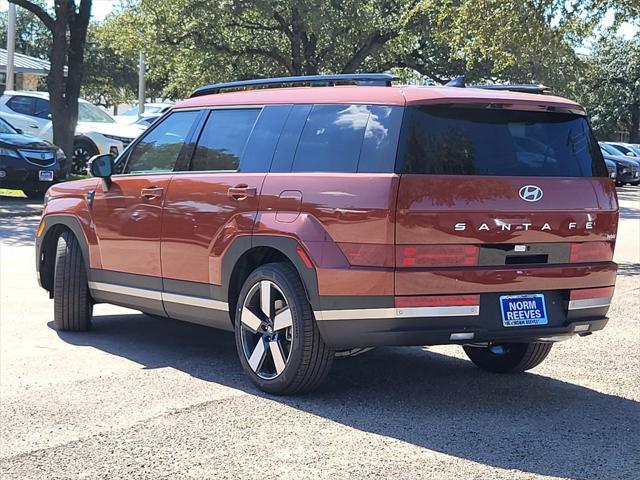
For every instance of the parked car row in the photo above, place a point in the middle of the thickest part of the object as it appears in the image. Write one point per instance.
(626, 158)
(96, 132)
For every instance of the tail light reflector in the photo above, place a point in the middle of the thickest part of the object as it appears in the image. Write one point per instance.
(591, 252)
(437, 301)
(586, 293)
(436, 255)
(368, 254)
(303, 256)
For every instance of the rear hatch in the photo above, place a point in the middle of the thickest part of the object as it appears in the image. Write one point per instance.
(501, 200)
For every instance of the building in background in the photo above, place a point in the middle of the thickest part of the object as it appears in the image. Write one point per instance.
(29, 71)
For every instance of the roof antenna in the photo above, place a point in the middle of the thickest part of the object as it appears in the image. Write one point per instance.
(457, 82)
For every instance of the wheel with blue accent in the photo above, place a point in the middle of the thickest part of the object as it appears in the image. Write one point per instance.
(277, 339)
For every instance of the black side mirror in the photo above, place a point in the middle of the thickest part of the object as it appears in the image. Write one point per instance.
(101, 166)
(18, 130)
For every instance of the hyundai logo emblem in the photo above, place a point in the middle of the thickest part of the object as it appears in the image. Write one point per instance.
(530, 193)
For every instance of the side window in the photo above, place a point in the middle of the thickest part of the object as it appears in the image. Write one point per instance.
(331, 139)
(23, 105)
(378, 154)
(258, 154)
(223, 139)
(158, 150)
(41, 108)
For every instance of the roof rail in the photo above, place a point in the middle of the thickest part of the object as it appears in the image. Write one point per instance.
(376, 79)
(522, 88)
(458, 82)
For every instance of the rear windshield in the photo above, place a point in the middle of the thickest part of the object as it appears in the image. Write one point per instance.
(472, 141)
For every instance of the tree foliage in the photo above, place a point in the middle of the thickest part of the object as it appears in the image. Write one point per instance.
(190, 42)
(111, 76)
(611, 87)
(32, 37)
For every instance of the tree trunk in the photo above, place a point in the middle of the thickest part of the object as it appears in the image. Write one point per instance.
(634, 128)
(62, 131)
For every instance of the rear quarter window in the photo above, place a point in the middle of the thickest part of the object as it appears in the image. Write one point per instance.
(339, 138)
(470, 141)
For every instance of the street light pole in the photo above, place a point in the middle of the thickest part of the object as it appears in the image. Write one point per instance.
(11, 44)
(141, 83)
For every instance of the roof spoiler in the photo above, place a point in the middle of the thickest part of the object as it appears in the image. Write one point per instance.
(458, 82)
(371, 79)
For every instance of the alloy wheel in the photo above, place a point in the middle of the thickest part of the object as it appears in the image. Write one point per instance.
(266, 329)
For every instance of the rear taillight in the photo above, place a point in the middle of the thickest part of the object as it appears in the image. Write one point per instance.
(591, 252)
(436, 255)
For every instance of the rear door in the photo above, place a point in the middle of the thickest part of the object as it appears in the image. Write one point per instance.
(212, 203)
(498, 188)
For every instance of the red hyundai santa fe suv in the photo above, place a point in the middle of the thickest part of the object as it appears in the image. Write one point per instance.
(315, 215)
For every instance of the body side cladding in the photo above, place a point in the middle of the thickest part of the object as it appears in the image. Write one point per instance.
(46, 246)
(285, 246)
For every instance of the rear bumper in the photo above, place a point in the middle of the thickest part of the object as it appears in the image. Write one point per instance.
(367, 327)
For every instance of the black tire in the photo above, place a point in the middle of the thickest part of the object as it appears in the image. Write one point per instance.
(34, 194)
(83, 150)
(509, 357)
(72, 303)
(308, 360)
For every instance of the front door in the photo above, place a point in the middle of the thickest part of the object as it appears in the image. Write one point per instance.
(128, 212)
(209, 206)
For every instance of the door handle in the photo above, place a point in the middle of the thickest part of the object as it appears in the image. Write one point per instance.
(151, 192)
(33, 126)
(240, 192)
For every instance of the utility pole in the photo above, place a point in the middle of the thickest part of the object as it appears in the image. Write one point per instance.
(11, 44)
(141, 84)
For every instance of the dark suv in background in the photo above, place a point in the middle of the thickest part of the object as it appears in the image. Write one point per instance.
(339, 212)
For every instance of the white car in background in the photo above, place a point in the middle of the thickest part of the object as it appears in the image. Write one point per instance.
(150, 109)
(96, 132)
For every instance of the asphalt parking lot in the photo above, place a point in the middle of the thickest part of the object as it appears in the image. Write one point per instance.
(139, 397)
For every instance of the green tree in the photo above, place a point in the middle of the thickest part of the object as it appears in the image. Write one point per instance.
(190, 42)
(32, 37)
(111, 76)
(611, 87)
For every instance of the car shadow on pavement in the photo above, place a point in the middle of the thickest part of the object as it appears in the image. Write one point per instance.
(18, 231)
(524, 422)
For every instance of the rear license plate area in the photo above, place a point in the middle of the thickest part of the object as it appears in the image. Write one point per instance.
(523, 310)
(45, 176)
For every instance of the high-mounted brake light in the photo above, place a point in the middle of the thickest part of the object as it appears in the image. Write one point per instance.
(591, 252)
(436, 256)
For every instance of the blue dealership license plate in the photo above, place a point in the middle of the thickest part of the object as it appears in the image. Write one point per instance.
(523, 310)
